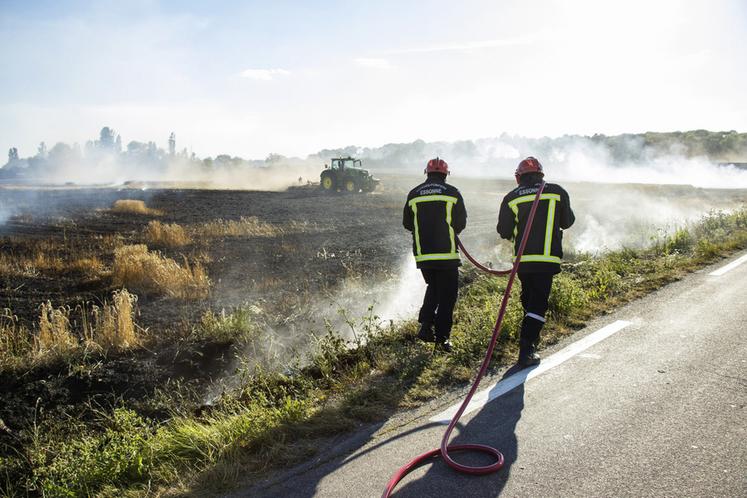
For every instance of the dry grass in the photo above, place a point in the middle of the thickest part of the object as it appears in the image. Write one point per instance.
(110, 327)
(90, 266)
(132, 206)
(246, 226)
(15, 340)
(32, 258)
(166, 234)
(55, 334)
(151, 273)
(113, 326)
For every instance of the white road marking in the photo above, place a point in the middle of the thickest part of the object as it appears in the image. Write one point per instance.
(500, 388)
(729, 267)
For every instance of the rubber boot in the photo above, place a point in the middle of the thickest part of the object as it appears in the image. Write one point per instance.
(529, 337)
(426, 333)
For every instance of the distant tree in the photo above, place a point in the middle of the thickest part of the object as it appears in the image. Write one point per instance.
(106, 138)
(172, 144)
(12, 155)
(62, 153)
(42, 150)
(222, 159)
(118, 144)
(137, 149)
(274, 158)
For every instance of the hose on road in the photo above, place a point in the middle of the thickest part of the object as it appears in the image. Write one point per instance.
(445, 448)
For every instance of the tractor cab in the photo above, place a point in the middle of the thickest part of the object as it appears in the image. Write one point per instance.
(342, 163)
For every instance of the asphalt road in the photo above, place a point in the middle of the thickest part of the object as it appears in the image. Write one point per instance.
(656, 409)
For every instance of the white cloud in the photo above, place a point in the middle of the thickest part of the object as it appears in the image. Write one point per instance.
(264, 74)
(374, 63)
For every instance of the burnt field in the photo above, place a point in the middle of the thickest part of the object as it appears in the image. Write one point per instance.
(302, 244)
(294, 258)
(221, 282)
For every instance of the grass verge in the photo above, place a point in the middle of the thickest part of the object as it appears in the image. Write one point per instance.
(275, 418)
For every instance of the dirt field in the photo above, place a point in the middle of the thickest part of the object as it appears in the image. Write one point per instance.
(316, 254)
(322, 242)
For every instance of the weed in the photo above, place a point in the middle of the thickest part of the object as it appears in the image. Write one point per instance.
(222, 328)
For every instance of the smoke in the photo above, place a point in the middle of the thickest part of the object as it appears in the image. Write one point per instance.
(583, 161)
(109, 170)
(401, 299)
(677, 158)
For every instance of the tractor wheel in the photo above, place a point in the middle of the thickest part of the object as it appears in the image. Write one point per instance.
(351, 186)
(328, 183)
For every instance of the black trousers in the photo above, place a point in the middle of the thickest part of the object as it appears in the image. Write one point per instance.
(440, 298)
(535, 294)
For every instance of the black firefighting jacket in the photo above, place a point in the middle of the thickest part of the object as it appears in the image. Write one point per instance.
(435, 213)
(544, 248)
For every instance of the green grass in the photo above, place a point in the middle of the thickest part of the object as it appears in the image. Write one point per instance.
(276, 419)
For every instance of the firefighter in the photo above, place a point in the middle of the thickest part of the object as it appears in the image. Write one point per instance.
(435, 214)
(543, 251)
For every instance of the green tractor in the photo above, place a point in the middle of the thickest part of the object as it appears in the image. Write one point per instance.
(346, 174)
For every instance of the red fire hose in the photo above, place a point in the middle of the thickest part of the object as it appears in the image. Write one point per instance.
(443, 451)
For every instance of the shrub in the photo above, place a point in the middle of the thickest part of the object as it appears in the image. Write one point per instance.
(85, 464)
(151, 273)
(567, 297)
(132, 206)
(166, 234)
(680, 242)
(223, 327)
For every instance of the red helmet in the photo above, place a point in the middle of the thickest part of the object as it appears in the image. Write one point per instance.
(437, 165)
(528, 165)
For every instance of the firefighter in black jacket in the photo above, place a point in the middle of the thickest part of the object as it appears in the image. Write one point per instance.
(544, 249)
(435, 214)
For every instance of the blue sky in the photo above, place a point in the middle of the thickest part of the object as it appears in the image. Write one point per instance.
(250, 78)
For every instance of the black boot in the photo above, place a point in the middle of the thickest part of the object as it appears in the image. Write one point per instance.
(443, 345)
(529, 337)
(426, 333)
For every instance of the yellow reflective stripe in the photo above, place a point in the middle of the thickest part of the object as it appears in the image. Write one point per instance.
(450, 201)
(433, 198)
(437, 256)
(539, 258)
(530, 198)
(417, 229)
(515, 209)
(450, 205)
(549, 227)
